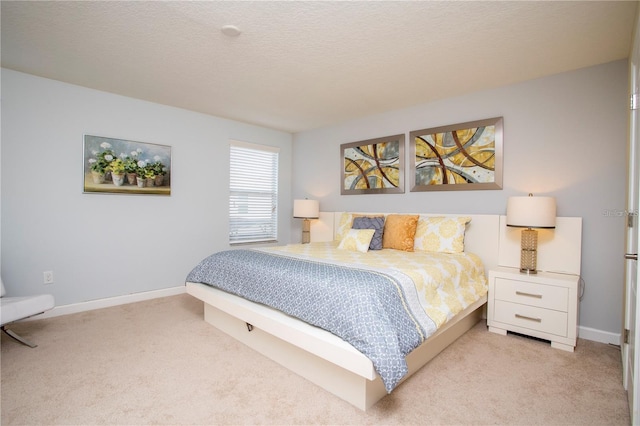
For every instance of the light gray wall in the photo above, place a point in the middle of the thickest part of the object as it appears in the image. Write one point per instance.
(564, 136)
(111, 245)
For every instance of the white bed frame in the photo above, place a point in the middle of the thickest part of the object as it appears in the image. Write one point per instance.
(338, 367)
(322, 357)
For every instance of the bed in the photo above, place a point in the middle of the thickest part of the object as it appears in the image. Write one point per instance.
(320, 355)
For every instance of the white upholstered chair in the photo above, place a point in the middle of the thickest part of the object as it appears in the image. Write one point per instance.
(17, 308)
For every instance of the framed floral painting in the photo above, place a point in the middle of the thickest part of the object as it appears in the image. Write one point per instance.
(464, 156)
(119, 166)
(374, 166)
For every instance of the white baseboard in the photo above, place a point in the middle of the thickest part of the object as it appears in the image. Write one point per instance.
(583, 332)
(599, 336)
(110, 301)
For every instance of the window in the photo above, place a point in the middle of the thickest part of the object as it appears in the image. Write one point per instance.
(253, 193)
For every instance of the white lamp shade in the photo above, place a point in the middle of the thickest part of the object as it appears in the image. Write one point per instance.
(531, 212)
(306, 209)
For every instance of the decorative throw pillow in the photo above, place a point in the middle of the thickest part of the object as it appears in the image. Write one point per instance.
(371, 222)
(357, 239)
(441, 234)
(343, 227)
(399, 232)
(346, 222)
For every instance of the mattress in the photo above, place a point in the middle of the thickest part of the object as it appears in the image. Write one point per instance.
(385, 302)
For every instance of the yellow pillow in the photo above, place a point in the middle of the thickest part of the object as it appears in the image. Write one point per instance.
(346, 220)
(441, 234)
(357, 239)
(399, 232)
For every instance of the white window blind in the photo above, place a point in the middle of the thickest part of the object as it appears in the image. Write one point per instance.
(253, 193)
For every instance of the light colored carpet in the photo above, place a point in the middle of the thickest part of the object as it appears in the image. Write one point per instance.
(158, 362)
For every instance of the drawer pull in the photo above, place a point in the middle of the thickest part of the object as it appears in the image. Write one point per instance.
(537, 296)
(528, 318)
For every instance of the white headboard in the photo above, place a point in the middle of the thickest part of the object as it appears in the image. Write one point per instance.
(481, 236)
(559, 250)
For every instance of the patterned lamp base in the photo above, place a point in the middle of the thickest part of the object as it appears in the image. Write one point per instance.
(529, 251)
(306, 231)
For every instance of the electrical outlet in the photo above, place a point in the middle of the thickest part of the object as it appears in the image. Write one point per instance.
(48, 277)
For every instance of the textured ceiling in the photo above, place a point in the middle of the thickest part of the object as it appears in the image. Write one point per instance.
(303, 65)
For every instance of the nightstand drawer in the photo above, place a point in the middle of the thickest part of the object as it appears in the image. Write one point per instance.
(533, 318)
(532, 294)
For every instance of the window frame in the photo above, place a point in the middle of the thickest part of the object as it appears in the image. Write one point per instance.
(265, 187)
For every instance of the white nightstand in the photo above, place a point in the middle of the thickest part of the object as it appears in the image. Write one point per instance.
(543, 305)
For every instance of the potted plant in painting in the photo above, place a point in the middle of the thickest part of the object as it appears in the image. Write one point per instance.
(100, 164)
(159, 171)
(150, 175)
(131, 167)
(116, 167)
(140, 173)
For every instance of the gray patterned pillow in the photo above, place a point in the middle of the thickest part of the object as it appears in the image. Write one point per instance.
(376, 223)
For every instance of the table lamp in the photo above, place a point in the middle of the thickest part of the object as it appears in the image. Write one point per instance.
(306, 209)
(530, 212)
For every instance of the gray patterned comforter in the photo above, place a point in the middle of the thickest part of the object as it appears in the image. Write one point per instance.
(370, 309)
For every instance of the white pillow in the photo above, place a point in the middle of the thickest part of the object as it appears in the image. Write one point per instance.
(357, 239)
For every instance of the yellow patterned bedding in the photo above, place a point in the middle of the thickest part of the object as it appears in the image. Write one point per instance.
(446, 283)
